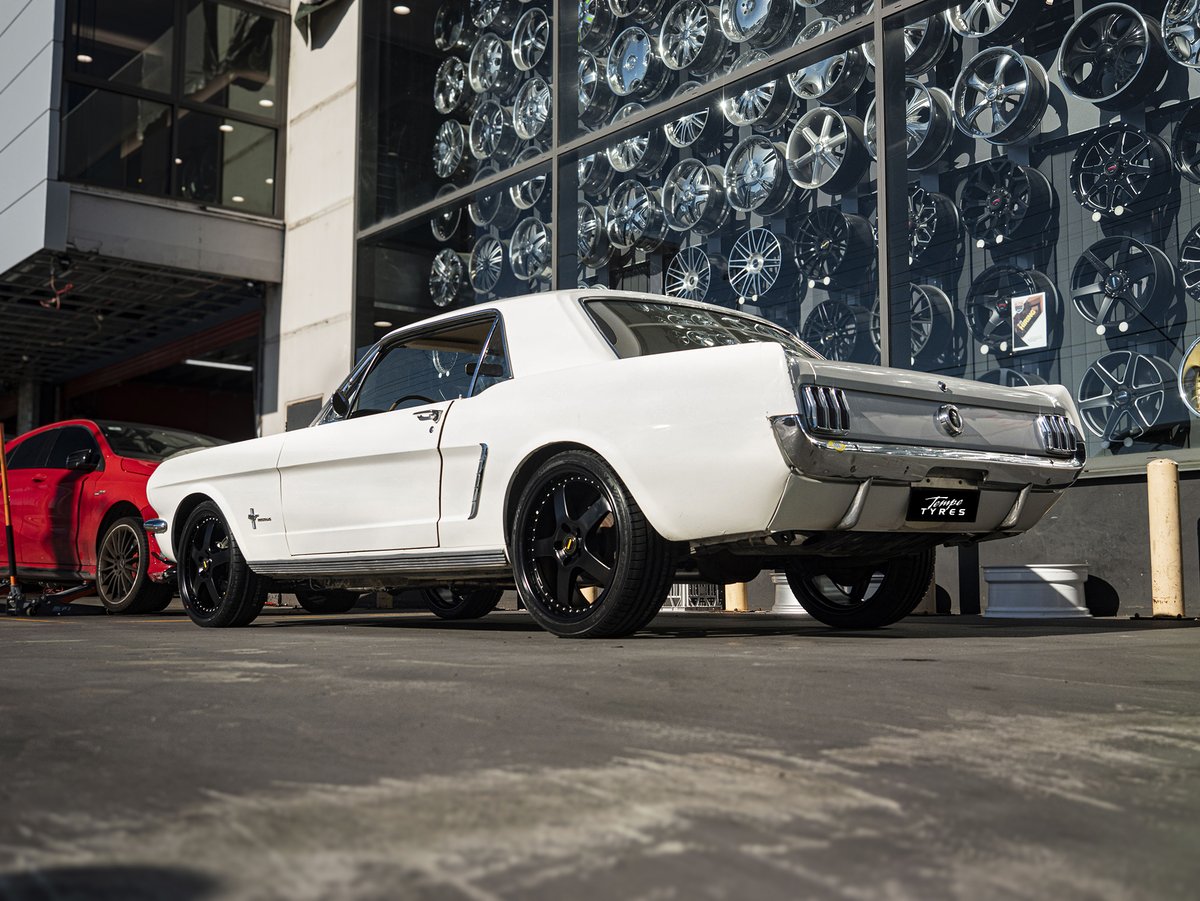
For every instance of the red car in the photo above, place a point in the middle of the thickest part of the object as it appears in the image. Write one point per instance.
(77, 490)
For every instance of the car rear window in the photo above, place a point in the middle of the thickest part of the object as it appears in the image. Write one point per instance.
(637, 328)
(143, 442)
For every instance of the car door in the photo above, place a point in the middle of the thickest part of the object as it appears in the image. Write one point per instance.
(369, 480)
(67, 492)
(26, 473)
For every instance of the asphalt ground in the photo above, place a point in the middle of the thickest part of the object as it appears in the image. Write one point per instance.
(740, 756)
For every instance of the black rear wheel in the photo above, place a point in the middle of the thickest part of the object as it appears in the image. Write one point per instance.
(846, 595)
(459, 602)
(587, 563)
(216, 585)
(331, 600)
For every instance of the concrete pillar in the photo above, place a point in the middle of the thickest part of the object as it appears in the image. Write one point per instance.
(1166, 548)
(29, 405)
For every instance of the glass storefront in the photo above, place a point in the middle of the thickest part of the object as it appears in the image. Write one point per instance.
(1040, 172)
(175, 98)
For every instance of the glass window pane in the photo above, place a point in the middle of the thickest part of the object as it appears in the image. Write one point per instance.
(31, 453)
(125, 41)
(116, 141)
(232, 57)
(226, 163)
(71, 439)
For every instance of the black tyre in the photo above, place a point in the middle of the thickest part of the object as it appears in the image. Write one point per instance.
(331, 600)
(122, 559)
(576, 527)
(453, 602)
(216, 585)
(848, 596)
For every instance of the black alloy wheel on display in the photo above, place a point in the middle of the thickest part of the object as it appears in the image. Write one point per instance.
(596, 25)
(586, 561)
(931, 327)
(122, 562)
(1000, 96)
(833, 80)
(764, 106)
(1189, 263)
(826, 151)
(592, 236)
(694, 198)
(846, 595)
(1006, 377)
(756, 179)
(832, 246)
(1119, 170)
(1002, 202)
(452, 602)
(1124, 395)
(1112, 56)
(635, 217)
(701, 129)
(448, 282)
(690, 39)
(755, 263)
(838, 330)
(1185, 144)
(487, 264)
(925, 42)
(760, 23)
(989, 304)
(996, 21)
(934, 225)
(929, 125)
(326, 600)
(1118, 280)
(1181, 32)
(216, 585)
(689, 274)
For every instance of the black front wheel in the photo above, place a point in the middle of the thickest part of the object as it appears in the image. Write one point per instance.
(587, 563)
(458, 602)
(216, 585)
(846, 595)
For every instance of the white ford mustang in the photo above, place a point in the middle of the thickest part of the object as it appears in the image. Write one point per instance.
(590, 447)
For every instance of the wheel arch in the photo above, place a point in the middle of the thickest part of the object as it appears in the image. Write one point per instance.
(119, 510)
(525, 470)
(183, 511)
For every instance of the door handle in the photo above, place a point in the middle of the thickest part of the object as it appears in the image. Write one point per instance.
(428, 415)
(37, 479)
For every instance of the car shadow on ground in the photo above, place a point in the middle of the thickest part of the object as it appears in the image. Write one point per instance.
(101, 883)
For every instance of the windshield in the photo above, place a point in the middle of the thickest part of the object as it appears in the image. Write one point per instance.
(637, 328)
(147, 442)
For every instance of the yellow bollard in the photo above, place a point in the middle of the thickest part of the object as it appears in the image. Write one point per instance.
(1166, 550)
(735, 597)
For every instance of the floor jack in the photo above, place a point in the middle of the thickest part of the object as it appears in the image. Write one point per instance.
(56, 603)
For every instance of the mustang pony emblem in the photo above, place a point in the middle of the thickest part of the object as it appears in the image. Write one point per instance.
(256, 518)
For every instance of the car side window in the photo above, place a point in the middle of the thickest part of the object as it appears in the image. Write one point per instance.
(423, 369)
(71, 439)
(31, 453)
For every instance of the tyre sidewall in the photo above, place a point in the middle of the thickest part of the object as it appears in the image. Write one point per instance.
(469, 604)
(898, 594)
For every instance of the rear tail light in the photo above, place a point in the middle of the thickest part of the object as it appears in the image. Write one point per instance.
(825, 409)
(1059, 437)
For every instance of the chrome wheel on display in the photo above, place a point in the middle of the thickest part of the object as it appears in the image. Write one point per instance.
(642, 153)
(491, 67)
(531, 109)
(592, 236)
(487, 264)
(700, 129)
(596, 101)
(638, 10)
(1006, 377)
(929, 125)
(1189, 263)
(1003, 201)
(1000, 96)
(999, 21)
(491, 135)
(529, 250)
(635, 217)
(1120, 169)
(447, 278)
(634, 66)
(494, 14)
(756, 179)
(990, 301)
(838, 330)
(451, 93)
(531, 37)
(689, 274)
(690, 39)
(448, 150)
(1123, 395)
(924, 44)
(1181, 32)
(491, 207)
(524, 195)
(834, 79)
(1117, 280)
(755, 263)
(763, 23)
(826, 150)
(595, 173)
(452, 27)
(831, 244)
(934, 225)
(764, 106)
(596, 25)
(694, 198)
(444, 223)
(1112, 56)
(1185, 145)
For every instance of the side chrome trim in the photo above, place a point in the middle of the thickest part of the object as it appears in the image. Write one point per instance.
(483, 455)
(405, 564)
(854, 511)
(155, 526)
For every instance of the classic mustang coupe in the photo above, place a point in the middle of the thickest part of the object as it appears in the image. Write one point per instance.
(590, 447)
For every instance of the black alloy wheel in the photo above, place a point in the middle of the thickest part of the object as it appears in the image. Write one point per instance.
(1123, 395)
(838, 330)
(1118, 280)
(326, 600)
(1189, 263)
(931, 328)
(1000, 96)
(1120, 169)
(1113, 56)
(831, 245)
(462, 601)
(1185, 144)
(934, 225)
(586, 561)
(928, 125)
(216, 585)
(1005, 202)
(989, 304)
(849, 595)
(122, 560)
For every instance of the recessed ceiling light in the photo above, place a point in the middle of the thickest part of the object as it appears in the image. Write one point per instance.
(214, 364)
(226, 127)
(270, 181)
(83, 58)
(401, 10)
(265, 103)
(382, 323)
(178, 161)
(238, 198)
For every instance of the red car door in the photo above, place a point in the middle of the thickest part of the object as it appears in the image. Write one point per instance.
(26, 476)
(66, 492)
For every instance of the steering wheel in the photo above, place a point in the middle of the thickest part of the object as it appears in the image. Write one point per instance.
(420, 397)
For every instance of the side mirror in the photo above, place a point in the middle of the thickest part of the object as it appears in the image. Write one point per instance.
(339, 403)
(83, 460)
